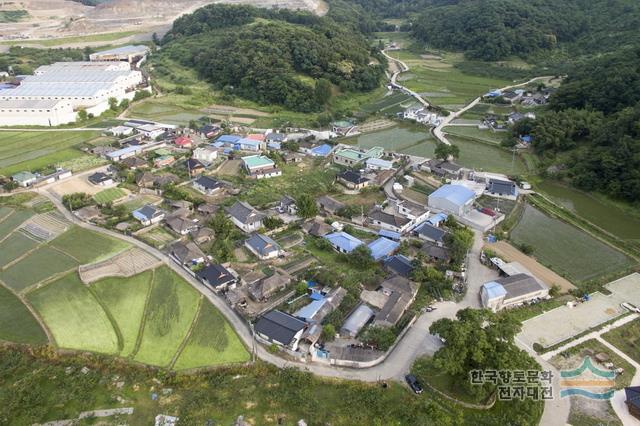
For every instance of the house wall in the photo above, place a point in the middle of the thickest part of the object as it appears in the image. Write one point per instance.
(61, 114)
(246, 227)
(269, 256)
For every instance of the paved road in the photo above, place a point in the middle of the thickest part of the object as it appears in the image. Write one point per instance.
(618, 400)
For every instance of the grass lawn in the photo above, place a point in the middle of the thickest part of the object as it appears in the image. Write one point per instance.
(16, 322)
(472, 132)
(16, 245)
(212, 342)
(39, 265)
(88, 246)
(436, 78)
(566, 249)
(74, 316)
(38, 150)
(626, 338)
(109, 195)
(10, 222)
(426, 372)
(170, 312)
(125, 298)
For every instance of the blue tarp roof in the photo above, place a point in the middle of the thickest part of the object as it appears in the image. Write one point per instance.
(456, 194)
(494, 289)
(526, 138)
(316, 295)
(389, 234)
(322, 150)
(228, 138)
(343, 241)
(382, 247)
(437, 218)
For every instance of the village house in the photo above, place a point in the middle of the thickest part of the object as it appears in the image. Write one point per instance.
(287, 205)
(100, 179)
(183, 141)
(121, 154)
(511, 291)
(202, 235)
(181, 225)
(217, 278)
(280, 328)
(194, 167)
(263, 246)
(388, 221)
(262, 289)
(317, 228)
(151, 131)
(353, 180)
(260, 167)
(343, 242)
(356, 321)
(435, 252)
(430, 233)
(392, 298)
(24, 179)
(120, 131)
(455, 199)
(245, 217)
(187, 253)
(206, 154)
(209, 131)
(351, 157)
(149, 180)
(344, 128)
(443, 169)
(208, 185)
(502, 188)
(399, 265)
(148, 215)
(163, 161)
(382, 248)
(135, 163)
(378, 164)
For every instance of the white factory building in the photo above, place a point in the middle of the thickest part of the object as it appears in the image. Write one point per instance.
(55, 93)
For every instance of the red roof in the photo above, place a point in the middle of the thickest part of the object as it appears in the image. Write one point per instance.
(183, 141)
(256, 136)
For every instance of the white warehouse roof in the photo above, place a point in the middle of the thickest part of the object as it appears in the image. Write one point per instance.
(74, 75)
(56, 89)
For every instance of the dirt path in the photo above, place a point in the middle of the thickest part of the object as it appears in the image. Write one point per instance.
(509, 252)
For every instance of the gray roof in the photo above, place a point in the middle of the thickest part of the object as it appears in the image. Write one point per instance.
(150, 211)
(438, 253)
(215, 275)
(431, 232)
(520, 285)
(353, 177)
(399, 264)
(502, 186)
(279, 326)
(262, 244)
(317, 228)
(245, 213)
(390, 219)
(208, 183)
(186, 252)
(358, 319)
(330, 203)
(287, 201)
(265, 287)
(180, 224)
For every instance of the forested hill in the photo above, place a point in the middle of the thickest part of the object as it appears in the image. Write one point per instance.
(592, 129)
(281, 57)
(497, 29)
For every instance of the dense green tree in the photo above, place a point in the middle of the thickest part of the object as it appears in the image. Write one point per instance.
(444, 151)
(307, 206)
(459, 241)
(360, 257)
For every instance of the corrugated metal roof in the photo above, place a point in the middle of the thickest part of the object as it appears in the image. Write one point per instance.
(456, 194)
(382, 247)
(494, 290)
(57, 89)
(78, 76)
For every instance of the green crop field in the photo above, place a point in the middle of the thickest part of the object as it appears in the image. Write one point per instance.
(39, 265)
(389, 104)
(16, 322)
(125, 298)
(626, 338)
(211, 342)
(109, 195)
(566, 249)
(170, 312)
(36, 150)
(472, 132)
(10, 222)
(74, 316)
(436, 78)
(88, 246)
(14, 246)
(482, 156)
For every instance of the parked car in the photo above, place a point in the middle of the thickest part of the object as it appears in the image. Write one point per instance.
(630, 307)
(413, 383)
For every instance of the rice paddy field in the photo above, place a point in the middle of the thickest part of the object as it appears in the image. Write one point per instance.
(419, 142)
(14, 246)
(566, 249)
(74, 316)
(212, 341)
(436, 78)
(35, 150)
(126, 299)
(39, 265)
(16, 322)
(13, 220)
(390, 104)
(109, 195)
(87, 246)
(171, 309)
(157, 110)
(472, 132)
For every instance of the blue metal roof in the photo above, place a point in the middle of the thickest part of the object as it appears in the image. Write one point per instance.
(218, 144)
(494, 290)
(456, 194)
(274, 145)
(306, 312)
(246, 142)
(437, 218)
(123, 151)
(228, 138)
(389, 234)
(382, 247)
(316, 295)
(322, 150)
(343, 241)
